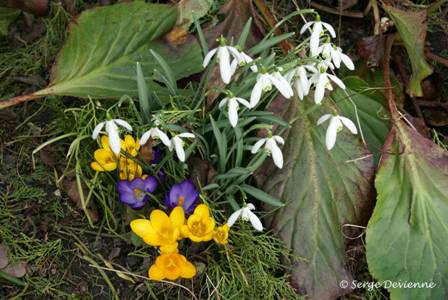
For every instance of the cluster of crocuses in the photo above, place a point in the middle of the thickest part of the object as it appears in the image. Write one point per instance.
(317, 74)
(186, 220)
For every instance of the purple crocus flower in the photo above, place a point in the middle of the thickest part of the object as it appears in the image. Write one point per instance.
(183, 194)
(135, 193)
(156, 155)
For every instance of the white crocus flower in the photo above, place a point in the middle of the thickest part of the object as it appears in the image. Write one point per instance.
(264, 84)
(336, 124)
(270, 144)
(223, 53)
(321, 81)
(233, 105)
(298, 77)
(155, 133)
(246, 214)
(112, 132)
(318, 28)
(178, 144)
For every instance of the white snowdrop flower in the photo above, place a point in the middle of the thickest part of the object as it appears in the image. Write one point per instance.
(298, 77)
(270, 144)
(178, 144)
(340, 56)
(112, 132)
(155, 133)
(264, 83)
(318, 28)
(233, 106)
(336, 124)
(242, 60)
(223, 53)
(246, 214)
(321, 81)
(330, 51)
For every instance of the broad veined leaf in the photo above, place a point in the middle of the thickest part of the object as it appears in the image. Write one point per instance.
(99, 56)
(372, 111)
(407, 234)
(412, 28)
(321, 190)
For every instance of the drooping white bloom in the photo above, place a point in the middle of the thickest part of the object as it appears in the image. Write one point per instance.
(246, 214)
(264, 83)
(329, 51)
(318, 28)
(223, 53)
(233, 105)
(155, 133)
(242, 60)
(298, 77)
(178, 144)
(112, 132)
(270, 144)
(321, 81)
(336, 124)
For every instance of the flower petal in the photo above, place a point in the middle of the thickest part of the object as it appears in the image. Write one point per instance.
(282, 85)
(208, 57)
(186, 135)
(255, 96)
(306, 26)
(323, 119)
(145, 137)
(224, 65)
(233, 217)
(180, 152)
(97, 130)
(123, 123)
(330, 29)
(163, 137)
(233, 112)
(276, 153)
(177, 216)
(141, 227)
(257, 146)
(255, 221)
(159, 220)
(349, 124)
(114, 138)
(320, 89)
(347, 61)
(332, 130)
(337, 81)
(156, 273)
(243, 102)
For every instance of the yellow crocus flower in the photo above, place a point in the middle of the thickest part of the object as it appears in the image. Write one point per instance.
(200, 225)
(160, 230)
(221, 234)
(171, 266)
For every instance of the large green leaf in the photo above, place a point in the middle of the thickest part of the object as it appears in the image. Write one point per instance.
(98, 58)
(372, 110)
(412, 27)
(407, 234)
(322, 190)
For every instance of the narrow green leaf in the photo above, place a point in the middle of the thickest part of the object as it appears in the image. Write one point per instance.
(222, 146)
(262, 196)
(270, 42)
(143, 93)
(171, 80)
(245, 33)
